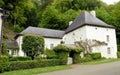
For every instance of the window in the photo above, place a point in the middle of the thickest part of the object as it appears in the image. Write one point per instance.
(51, 45)
(95, 28)
(108, 38)
(14, 52)
(108, 50)
(73, 34)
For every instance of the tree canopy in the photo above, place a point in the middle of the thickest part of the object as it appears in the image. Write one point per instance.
(56, 14)
(32, 45)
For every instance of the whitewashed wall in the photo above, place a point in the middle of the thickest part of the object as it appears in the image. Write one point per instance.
(76, 35)
(49, 41)
(98, 33)
(0, 23)
(19, 41)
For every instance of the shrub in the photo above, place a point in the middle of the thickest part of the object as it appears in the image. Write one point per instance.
(60, 48)
(75, 54)
(17, 28)
(62, 53)
(33, 64)
(85, 59)
(50, 54)
(32, 45)
(4, 63)
(96, 56)
(118, 54)
(118, 46)
(20, 58)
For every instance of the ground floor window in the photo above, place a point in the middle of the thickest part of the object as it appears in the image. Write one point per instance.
(108, 50)
(15, 52)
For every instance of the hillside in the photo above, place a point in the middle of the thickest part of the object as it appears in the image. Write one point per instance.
(8, 34)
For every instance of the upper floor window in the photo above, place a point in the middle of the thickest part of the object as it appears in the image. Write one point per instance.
(108, 38)
(95, 28)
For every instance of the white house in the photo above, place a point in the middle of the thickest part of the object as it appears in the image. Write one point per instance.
(52, 37)
(85, 26)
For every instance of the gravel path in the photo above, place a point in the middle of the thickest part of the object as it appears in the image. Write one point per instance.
(101, 69)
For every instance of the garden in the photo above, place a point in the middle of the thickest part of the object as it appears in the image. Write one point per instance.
(56, 56)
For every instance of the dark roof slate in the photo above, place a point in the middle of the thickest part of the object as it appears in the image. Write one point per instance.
(86, 18)
(50, 33)
(12, 44)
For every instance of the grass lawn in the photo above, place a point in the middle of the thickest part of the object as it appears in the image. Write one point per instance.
(55, 68)
(36, 70)
(101, 61)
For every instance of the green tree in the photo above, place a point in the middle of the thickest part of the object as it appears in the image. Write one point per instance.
(32, 45)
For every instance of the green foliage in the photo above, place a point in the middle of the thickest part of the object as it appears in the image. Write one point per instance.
(85, 59)
(4, 63)
(118, 47)
(96, 56)
(32, 44)
(4, 49)
(76, 58)
(19, 58)
(62, 53)
(33, 64)
(50, 54)
(38, 58)
(118, 54)
(60, 48)
(63, 57)
(75, 54)
(17, 28)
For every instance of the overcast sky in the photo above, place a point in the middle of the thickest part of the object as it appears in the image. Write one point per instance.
(110, 1)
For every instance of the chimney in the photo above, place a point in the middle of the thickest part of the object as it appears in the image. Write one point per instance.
(93, 13)
(70, 23)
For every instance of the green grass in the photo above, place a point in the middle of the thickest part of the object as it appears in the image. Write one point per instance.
(101, 61)
(36, 70)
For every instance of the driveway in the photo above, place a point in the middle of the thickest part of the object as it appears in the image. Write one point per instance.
(101, 69)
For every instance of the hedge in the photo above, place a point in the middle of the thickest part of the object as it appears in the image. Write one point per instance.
(96, 56)
(33, 64)
(62, 53)
(118, 54)
(75, 54)
(50, 54)
(20, 58)
(4, 63)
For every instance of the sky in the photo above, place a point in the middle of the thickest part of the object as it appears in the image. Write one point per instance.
(110, 1)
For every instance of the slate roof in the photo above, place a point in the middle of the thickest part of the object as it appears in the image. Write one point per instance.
(48, 33)
(86, 18)
(12, 44)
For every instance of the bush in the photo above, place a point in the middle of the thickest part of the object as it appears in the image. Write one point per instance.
(4, 63)
(96, 56)
(20, 58)
(118, 46)
(118, 54)
(62, 53)
(75, 54)
(33, 64)
(85, 59)
(60, 48)
(17, 28)
(50, 54)
(33, 45)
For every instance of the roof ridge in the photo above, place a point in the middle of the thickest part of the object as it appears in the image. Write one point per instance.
(45, 28)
